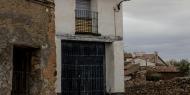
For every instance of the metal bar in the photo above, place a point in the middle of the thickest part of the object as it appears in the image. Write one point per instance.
(84, 65)
(86, 21)
(21, 72)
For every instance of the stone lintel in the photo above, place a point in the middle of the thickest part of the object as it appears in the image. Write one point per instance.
(107, 39)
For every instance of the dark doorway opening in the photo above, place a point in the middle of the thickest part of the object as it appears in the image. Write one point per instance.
(21, 70)
(83, 68)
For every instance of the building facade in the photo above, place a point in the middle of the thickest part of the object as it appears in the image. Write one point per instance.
(27, 47)
(89, 42)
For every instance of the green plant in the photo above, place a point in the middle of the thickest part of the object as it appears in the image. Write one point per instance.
(183, 66)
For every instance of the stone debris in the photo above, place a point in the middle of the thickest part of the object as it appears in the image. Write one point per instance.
(178, 86)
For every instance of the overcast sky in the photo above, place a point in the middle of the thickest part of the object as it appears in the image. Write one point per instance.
(158, 25)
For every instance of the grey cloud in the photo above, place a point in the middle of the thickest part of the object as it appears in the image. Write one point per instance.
(158, 25)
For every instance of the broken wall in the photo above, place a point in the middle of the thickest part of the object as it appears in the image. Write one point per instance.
(28, 23)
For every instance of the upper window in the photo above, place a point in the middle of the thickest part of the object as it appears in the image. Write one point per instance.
(86, 20)
(83, 5)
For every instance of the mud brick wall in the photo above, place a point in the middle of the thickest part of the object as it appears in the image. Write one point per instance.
(28, 23)
(180, 86)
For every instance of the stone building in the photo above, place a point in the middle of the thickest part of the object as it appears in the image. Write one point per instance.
(144, 59)
(89, 41)
(27, 47)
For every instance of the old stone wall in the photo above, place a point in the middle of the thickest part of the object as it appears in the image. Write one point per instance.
(28, 23)
(179, 86)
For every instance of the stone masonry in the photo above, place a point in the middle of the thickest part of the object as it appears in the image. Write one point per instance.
(28, 23)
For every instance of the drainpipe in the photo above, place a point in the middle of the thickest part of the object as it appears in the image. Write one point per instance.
(115, 26)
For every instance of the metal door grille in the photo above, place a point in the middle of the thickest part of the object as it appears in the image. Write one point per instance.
(83, 68)
(21, 71)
